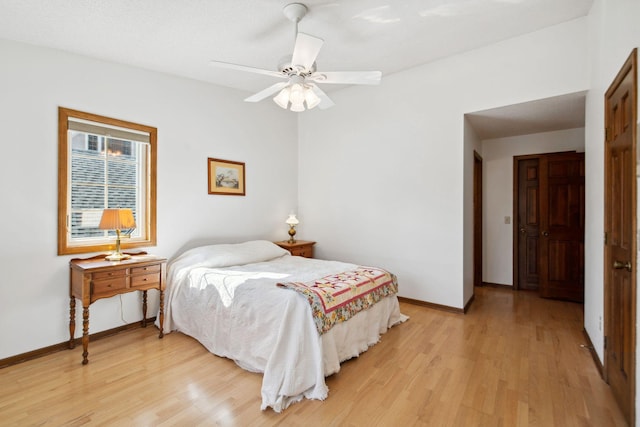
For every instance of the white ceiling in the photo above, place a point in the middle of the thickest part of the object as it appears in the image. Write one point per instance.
(181, 37)
(544, 115)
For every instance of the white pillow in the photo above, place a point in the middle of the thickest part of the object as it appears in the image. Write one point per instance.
(226, 255)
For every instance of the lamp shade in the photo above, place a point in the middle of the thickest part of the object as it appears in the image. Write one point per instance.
(311, 98)
(292, 220)
(117, 219)
(282, 99)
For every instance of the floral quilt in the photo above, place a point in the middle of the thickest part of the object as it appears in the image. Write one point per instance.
(338, 297)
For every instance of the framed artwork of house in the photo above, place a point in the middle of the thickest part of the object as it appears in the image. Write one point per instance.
(226, 177)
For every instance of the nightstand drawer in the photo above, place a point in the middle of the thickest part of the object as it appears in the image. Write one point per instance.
(303, 248)
(108, 285)
(145, 280)
(108, 274)
(302, 251)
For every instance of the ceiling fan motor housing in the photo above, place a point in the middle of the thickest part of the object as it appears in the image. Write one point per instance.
(286, 67)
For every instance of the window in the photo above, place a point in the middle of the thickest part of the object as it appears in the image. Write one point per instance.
(92, 142)
(104, 163)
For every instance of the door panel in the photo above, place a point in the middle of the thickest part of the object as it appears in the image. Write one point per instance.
(561, 246)
(532, 206)
(620, 231)
(532, 261)
(527, 217)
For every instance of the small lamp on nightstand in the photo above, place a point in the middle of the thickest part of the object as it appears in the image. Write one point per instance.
(117, 219)
(292, 221)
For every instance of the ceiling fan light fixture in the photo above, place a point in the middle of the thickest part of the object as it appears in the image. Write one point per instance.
(282, 99)
(311, 98)
(298, 107)
(296, 96)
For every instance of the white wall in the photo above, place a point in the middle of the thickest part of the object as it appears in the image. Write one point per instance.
(194, 121)
(472, 144)
(498, 193)
(382, 172)
(613, 33)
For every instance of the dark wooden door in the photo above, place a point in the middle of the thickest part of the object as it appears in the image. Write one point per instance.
(477, 220)
(561, 243)
(527, 223)
(620, 231)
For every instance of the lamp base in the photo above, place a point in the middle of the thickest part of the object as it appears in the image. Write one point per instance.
(292, 233)
(116, 256)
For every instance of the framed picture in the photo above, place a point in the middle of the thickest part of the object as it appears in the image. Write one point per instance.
(226, 177)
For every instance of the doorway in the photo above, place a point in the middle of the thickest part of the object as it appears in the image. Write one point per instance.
(477, 219)
(549, 225)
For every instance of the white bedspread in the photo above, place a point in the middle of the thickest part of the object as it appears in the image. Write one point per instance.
(238, 312)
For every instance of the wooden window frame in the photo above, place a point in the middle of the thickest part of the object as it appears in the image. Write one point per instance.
(148, 234)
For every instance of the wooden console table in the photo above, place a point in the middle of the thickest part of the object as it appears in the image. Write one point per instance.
(94, 278)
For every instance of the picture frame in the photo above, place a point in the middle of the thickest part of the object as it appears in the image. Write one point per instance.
(226, 177)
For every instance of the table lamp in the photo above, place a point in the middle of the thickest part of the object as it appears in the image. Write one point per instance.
(292, 221)
(117, 219)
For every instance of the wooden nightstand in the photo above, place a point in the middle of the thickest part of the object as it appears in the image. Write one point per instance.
(95, 278)
(299, 248)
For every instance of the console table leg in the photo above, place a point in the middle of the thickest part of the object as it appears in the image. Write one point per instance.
(161, 314)
(144, 309)
(72, 322)
(85, 335)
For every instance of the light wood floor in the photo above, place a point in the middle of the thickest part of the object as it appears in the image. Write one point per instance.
(513, 360)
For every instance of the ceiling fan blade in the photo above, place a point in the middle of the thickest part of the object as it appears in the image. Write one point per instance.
(266, 92)
(247, 69)
(325, 101)
(306, 50)
(347, 77)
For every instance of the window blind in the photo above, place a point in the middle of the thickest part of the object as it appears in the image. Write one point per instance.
(107, 131)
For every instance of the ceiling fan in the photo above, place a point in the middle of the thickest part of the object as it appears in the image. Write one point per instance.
(300, 72)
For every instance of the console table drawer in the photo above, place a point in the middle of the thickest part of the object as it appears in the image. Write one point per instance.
(99, 275)
(146, 269)
(145, 279)
(109, 285)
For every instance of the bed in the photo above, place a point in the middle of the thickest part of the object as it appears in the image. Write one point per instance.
(247, 302)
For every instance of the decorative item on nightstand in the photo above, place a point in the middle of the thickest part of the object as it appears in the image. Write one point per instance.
(292, 221)
(117, 219)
